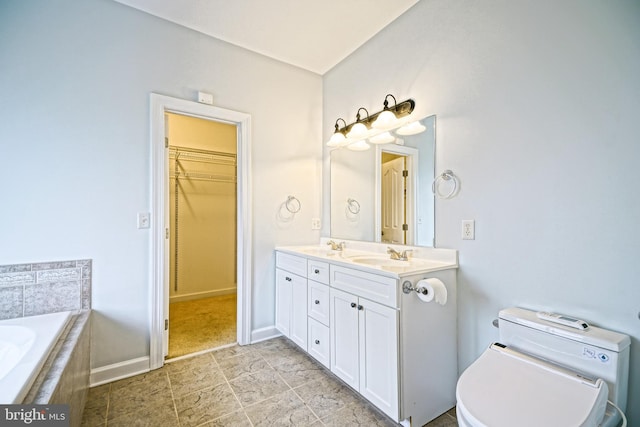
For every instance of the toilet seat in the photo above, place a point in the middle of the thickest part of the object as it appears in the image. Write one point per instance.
(506, 388)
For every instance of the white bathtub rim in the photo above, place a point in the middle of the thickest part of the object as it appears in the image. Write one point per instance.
(24, 374)
(18, 342)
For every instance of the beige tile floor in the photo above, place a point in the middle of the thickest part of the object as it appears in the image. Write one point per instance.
(271, 383)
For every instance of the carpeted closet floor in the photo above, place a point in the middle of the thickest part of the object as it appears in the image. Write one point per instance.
(201, 324)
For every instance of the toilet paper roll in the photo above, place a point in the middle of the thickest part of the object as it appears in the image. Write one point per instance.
(430, 289)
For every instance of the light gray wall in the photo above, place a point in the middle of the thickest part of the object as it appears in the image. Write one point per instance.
(537, 106)
(75, 81)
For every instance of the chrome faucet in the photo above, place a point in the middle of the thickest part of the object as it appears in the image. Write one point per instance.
(336, 246)
(400, 256)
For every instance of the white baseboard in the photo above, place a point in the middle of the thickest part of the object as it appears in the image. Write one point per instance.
(118, 371)
(199, 295)
(263, 334)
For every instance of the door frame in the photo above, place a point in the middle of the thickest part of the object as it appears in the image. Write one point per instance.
(159, 283)
(412, 188)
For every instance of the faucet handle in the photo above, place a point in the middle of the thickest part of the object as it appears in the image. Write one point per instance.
(336, 246)
(406, 254)
(394, 254)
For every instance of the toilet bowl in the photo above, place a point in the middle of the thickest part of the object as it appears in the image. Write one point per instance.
(543, 374)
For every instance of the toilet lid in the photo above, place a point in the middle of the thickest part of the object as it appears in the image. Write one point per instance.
(506, 388)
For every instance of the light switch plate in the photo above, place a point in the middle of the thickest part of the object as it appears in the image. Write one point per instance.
(144, 220)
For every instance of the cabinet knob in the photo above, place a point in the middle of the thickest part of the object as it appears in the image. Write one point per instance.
(317, 341)
(353, 305)
(316, 271)
(360, 307)
(288, 279)
(317, 301)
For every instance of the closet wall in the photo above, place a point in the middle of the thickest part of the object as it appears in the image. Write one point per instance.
(203, 262)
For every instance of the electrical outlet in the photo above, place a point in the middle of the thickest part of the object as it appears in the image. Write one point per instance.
(315, 223)
(468, 229)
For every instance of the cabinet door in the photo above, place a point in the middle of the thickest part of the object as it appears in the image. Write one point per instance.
(298, 325)
(284, 281)
(378, 335)
(343, 308)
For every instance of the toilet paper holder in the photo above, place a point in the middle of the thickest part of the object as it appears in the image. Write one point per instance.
(407, 288)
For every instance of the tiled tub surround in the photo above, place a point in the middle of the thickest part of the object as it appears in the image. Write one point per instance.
(50, 287)
(46, 287)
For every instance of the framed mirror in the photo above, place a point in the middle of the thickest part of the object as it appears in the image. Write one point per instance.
(383, 194)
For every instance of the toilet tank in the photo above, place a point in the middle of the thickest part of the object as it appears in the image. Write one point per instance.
(595, 352)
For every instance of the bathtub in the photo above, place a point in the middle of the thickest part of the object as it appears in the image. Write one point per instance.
(25, 344)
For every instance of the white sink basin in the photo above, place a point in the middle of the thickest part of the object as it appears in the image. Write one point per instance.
(318, 251)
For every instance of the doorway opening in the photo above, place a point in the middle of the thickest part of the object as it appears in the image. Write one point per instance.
(202, 234)
(161, 282)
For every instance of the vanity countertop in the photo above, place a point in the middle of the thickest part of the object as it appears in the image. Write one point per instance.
(372, 257)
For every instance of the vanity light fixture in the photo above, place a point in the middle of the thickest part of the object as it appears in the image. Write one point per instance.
(386, 118)
(338, 138)
(376, 127)
(359, 130)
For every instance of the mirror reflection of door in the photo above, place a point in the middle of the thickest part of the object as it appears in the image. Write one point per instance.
(393, 199)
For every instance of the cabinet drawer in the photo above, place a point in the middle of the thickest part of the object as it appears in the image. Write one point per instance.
(319, 342)
(318, 271)
(318, 302)
(292, 263)
(371, 286)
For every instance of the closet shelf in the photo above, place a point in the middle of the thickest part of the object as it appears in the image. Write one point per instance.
(183, 168)
(202, 176)
(197, 155)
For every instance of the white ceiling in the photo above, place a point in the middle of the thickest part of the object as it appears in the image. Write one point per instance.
(311, 34)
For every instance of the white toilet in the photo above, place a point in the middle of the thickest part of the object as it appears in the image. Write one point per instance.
(545, 374)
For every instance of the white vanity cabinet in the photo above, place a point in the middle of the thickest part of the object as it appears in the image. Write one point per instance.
(396, 350)
(291, 297)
